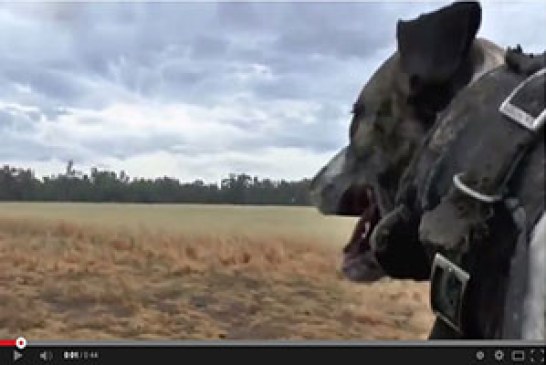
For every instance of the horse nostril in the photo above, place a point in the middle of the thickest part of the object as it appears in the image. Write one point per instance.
(328, 187)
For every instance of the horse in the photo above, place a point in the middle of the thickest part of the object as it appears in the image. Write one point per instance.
(448, 181)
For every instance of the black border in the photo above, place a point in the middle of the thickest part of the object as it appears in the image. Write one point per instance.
(195, 352)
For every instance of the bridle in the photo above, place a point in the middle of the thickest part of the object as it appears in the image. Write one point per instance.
(477, 199)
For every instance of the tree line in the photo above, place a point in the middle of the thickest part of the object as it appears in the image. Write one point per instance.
(19, 184)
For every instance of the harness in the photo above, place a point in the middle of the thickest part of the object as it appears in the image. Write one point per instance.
(470, 258)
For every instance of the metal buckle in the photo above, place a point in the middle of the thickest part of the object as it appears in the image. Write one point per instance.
(519, 115)
(489, 199)
(448, 290)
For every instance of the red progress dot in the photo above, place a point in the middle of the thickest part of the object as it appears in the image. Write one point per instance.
(21, 343)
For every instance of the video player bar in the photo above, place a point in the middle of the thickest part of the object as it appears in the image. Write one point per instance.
(395, 352)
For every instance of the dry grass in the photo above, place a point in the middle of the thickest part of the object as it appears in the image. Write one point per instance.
(66, 280)
(224, 220)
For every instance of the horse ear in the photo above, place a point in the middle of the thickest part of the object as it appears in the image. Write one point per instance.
(432, 46)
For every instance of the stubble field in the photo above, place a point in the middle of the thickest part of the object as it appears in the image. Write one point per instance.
(112, 271)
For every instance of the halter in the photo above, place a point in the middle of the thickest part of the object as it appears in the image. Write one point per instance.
(485, 185)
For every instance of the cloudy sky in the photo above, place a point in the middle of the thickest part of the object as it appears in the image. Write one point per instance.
(198, 90)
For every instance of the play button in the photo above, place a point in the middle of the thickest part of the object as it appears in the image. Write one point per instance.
(16, 355)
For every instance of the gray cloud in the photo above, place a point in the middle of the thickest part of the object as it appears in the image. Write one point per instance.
(259, 79)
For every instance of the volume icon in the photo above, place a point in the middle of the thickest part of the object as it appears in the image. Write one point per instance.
(46, 355)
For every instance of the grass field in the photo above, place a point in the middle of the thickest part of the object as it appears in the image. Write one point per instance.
(216, 220)
(110, 271)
